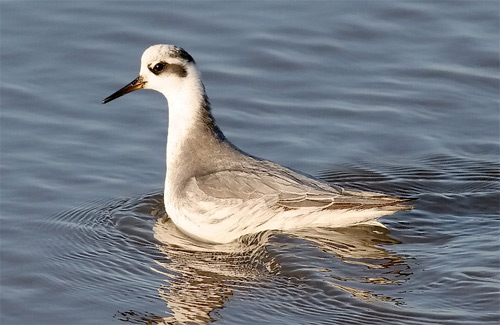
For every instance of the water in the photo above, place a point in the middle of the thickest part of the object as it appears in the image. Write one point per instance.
(396, 97)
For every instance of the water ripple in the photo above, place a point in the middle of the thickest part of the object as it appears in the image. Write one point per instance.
(133, 238)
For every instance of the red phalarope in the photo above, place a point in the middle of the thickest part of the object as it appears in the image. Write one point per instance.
(217, 193)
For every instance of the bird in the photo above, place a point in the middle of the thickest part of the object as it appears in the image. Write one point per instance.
(215, 192)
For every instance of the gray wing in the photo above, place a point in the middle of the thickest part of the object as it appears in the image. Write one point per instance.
(281, 187)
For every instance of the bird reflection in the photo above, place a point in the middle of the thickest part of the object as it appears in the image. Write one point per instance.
(361, 246)
(201, 277)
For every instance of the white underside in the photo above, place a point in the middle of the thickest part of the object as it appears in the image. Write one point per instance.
(223, 222)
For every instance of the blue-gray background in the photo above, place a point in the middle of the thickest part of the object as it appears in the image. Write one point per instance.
(400, 97)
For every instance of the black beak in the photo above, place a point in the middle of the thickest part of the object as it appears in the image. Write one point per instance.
(137, 83)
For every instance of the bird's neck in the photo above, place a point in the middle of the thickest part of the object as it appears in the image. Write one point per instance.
(193, 136)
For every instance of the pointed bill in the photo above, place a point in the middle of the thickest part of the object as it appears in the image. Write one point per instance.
(137, 83)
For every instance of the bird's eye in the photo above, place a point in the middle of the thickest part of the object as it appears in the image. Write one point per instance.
(158, 67)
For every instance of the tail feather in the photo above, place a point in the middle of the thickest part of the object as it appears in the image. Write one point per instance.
(348, 200)
(369, 200)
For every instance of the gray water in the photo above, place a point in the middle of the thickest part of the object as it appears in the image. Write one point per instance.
(399, 97)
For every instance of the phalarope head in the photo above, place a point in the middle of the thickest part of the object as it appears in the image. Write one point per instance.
(163, 68)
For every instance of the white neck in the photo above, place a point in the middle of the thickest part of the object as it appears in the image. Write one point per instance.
(192, 134)
(183, 111)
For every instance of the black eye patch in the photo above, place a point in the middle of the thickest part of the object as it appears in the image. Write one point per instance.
(158, 68)
(162, 67)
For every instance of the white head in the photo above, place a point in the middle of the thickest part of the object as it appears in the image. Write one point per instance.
(165, 68)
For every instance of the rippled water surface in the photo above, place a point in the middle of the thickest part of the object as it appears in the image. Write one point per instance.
(395, 97)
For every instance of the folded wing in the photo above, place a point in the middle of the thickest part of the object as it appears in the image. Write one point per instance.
(290, 190)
